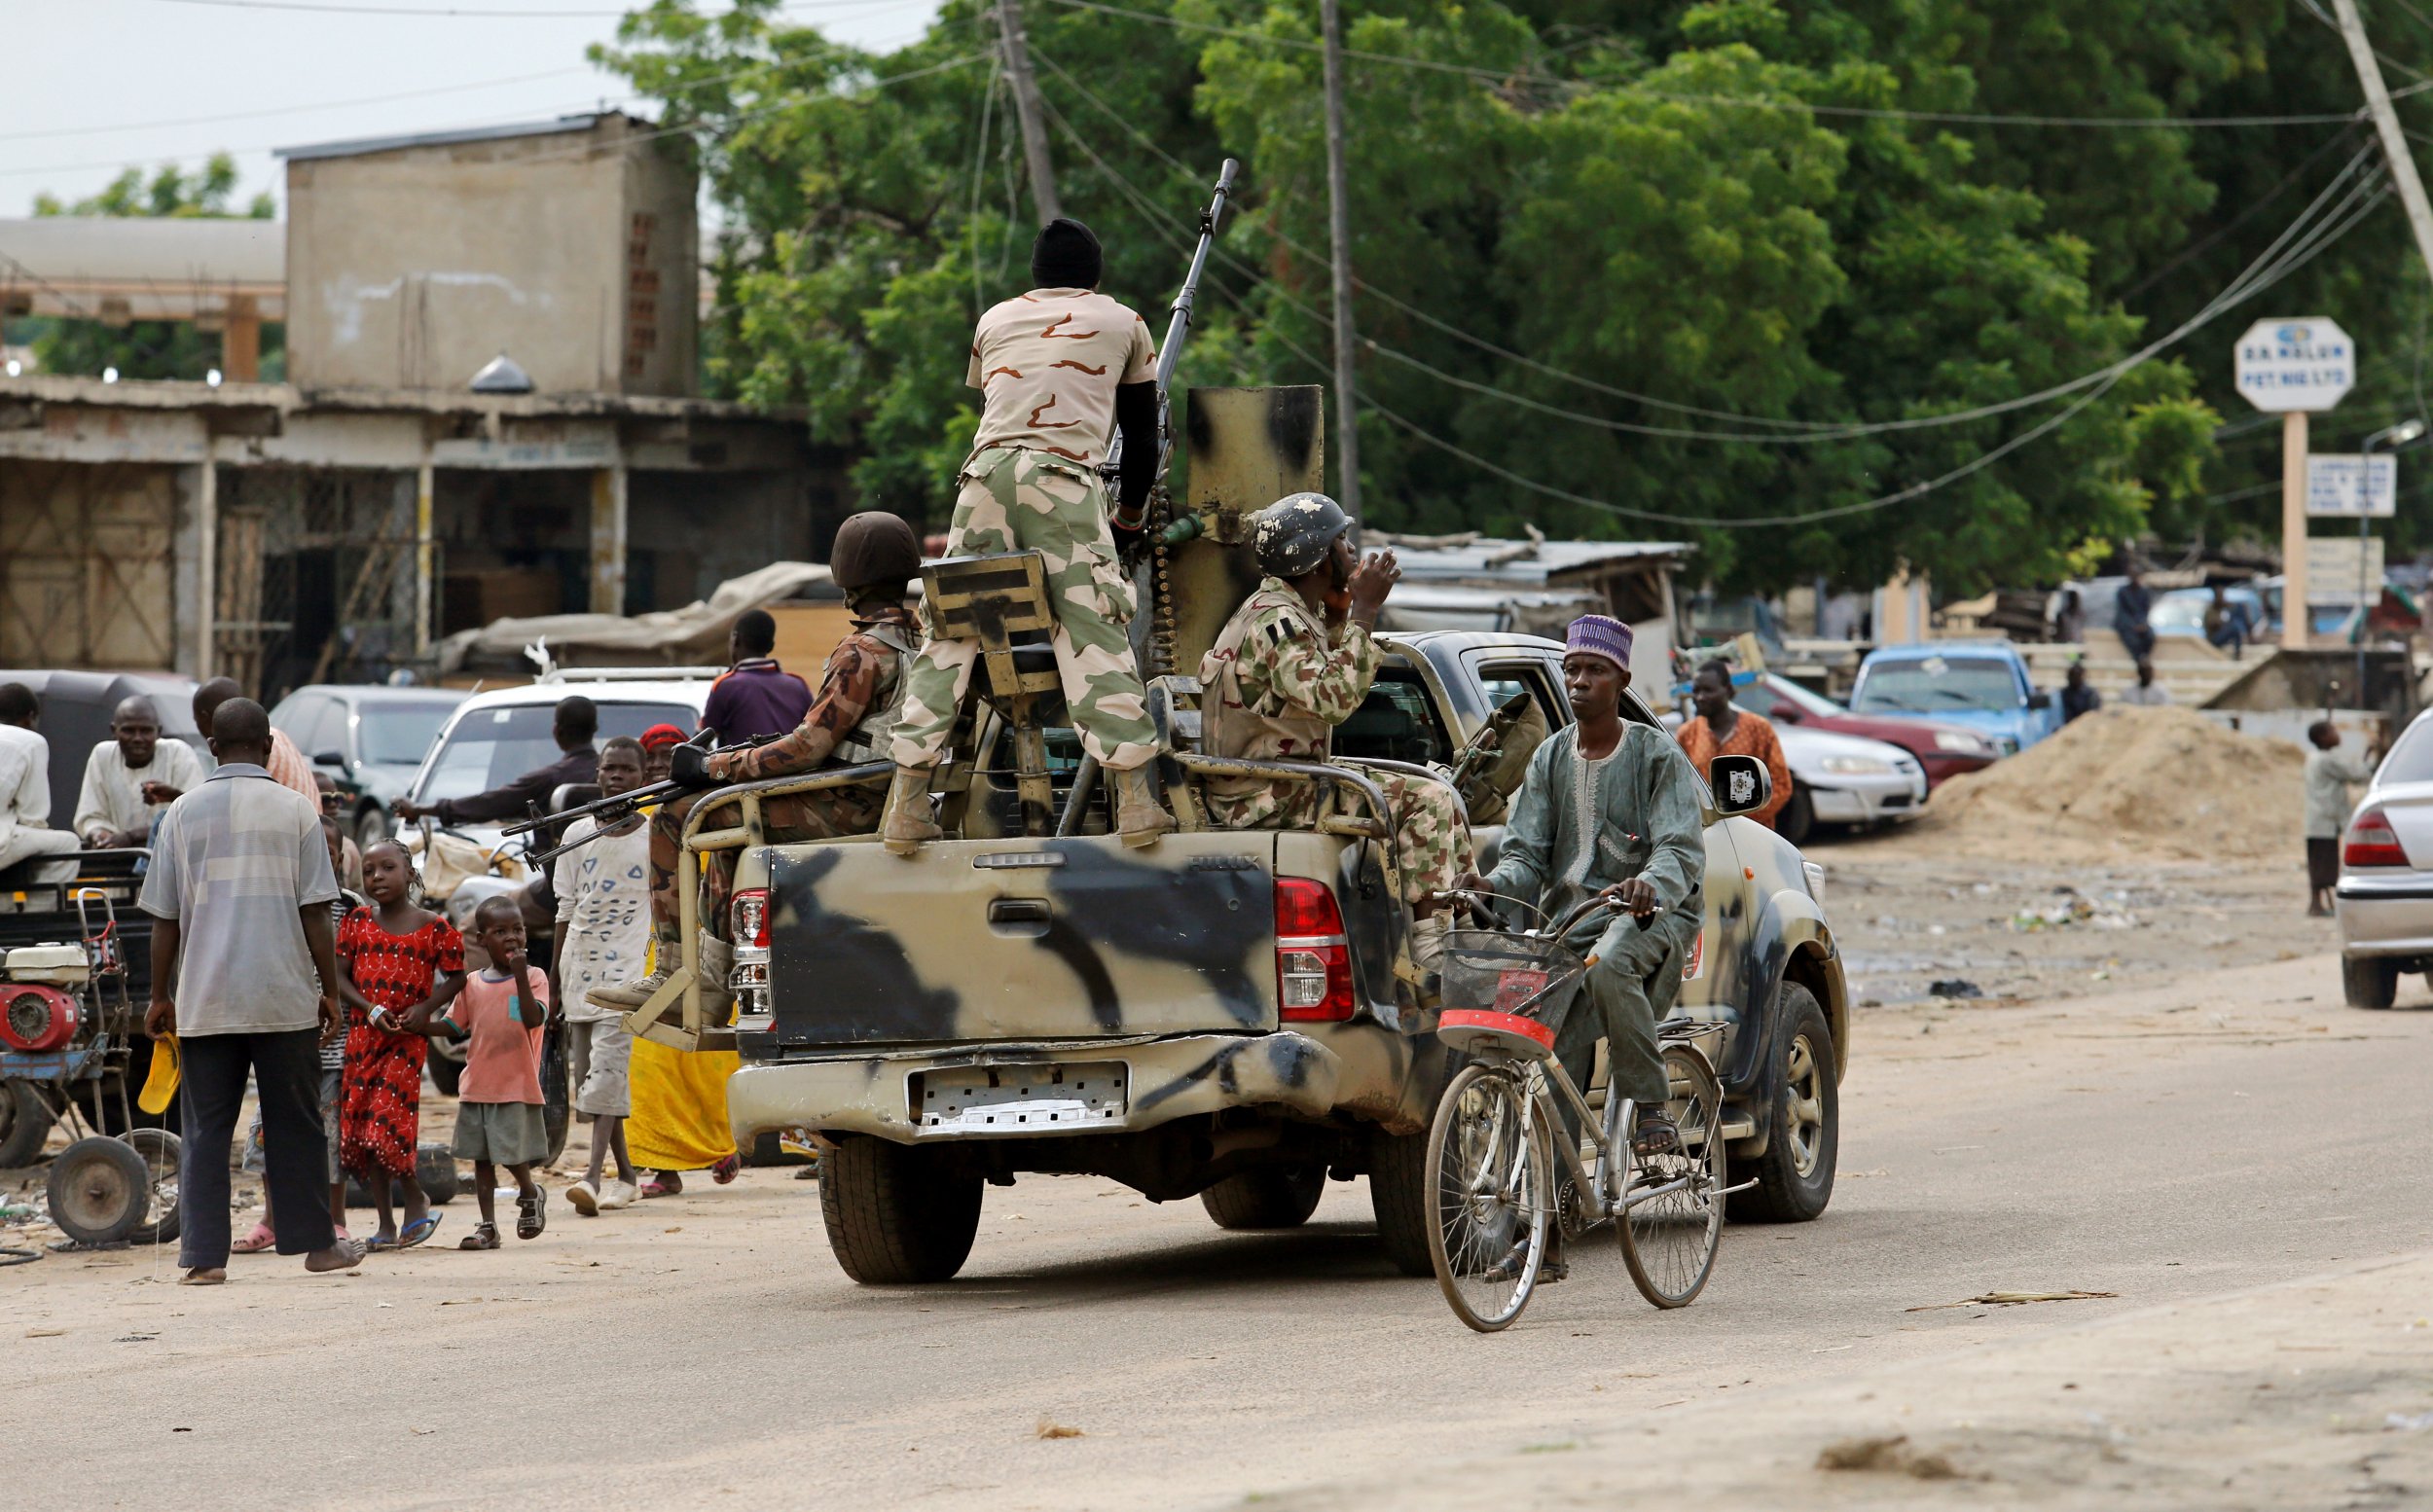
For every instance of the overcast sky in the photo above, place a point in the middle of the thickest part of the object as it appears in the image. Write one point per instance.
(96, 85)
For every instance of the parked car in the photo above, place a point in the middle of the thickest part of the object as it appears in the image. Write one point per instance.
(1983, 685)
(1840, 779)
(1942, 749)
(2384, 898)
(2182, 612)
(371, 739)
(76, 710)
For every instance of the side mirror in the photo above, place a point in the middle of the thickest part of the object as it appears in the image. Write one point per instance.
(335, 759)
(1741, 784)
(2040, 700)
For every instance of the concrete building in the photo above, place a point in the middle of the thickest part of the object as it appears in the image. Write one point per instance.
(335, 526)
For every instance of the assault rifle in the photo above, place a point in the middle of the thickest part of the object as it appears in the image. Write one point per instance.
(688, 772)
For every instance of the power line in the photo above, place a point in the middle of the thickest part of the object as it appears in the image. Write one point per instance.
(1810, 432)
(1874, 113)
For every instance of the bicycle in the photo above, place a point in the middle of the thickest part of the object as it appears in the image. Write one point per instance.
(1492, 1147)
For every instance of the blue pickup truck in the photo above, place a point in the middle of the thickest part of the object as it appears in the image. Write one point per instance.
(1982, 684)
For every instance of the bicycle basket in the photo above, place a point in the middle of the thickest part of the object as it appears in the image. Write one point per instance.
(1505, 993)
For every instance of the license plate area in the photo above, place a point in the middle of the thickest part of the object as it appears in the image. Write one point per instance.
(1021, 1099)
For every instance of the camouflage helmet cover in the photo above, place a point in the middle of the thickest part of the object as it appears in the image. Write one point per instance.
(1295, 534)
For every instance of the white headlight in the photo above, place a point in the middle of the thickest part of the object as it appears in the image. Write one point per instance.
(1959, 740)
(1855, 766)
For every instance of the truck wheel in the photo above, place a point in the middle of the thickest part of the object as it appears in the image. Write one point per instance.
(895, 1217)
(1398, 1192)
(1798, 819)
(1796, 1174)
(446, 1074)
(1266, 1199)
(25, 1123)
(2367, 981)
(98, 1190)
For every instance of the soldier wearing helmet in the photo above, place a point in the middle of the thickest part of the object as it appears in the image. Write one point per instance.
(1294, 661)
(851, 720)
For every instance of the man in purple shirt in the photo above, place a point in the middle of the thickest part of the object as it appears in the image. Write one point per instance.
(756, 697)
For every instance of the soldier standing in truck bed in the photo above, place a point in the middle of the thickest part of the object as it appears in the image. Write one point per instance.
(1063, 368)
(873, 561)
(1295, 660)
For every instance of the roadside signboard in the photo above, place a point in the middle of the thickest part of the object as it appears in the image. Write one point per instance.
(2332, 569)
(2347, 486)
(2306, 363)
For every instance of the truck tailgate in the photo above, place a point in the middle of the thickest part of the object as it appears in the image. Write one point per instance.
(1022, 939)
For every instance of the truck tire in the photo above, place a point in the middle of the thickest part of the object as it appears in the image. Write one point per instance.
(1796, 1174)
(1398, 1192)
(1281, 1199)
(25, 1123)
(2366, 981)
(895, 1217)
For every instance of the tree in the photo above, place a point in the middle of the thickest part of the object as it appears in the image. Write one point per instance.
(152, 348)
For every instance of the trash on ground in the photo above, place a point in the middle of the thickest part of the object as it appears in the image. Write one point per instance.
(2012, 1299)
(1890, 1456)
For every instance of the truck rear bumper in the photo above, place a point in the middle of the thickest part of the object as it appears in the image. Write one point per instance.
(1165, 1079)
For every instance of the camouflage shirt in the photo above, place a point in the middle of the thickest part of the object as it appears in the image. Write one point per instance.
(1278, 680)
(859, 666)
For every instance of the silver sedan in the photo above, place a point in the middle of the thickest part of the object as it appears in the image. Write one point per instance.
(2385, 893)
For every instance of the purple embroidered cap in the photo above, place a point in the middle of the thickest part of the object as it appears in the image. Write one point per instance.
(1600, 635)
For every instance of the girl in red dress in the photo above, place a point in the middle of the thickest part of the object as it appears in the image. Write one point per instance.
(392, 957)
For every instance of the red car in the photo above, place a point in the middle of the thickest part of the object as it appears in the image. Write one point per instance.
(1944, 750)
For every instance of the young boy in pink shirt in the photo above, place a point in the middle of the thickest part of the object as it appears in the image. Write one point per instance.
(501, 1010)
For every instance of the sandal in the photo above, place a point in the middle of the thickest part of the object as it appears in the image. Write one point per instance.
(657, 1187)
(727, 1170)
(1654, 1135)
(531, 1214)
(485, 1236)
(417, 1231)
(253, 1244)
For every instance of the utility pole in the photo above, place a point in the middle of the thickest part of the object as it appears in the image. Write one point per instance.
(1030, 111)
(1339, 221)
(2387, 124)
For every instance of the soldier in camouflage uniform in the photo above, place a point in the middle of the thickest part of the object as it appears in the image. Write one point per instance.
(851, 721)
(1061, 368)
(1295, 660)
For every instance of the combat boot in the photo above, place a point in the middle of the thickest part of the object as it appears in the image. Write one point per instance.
(1428, 942)
(905, 827)
(1140, 819)
(626, 997)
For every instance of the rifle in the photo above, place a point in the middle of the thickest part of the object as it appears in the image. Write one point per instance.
(1178, 328)
(687, 772)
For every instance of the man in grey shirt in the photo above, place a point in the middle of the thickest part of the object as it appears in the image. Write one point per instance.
(240, 879)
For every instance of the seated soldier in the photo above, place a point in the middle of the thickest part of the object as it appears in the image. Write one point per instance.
(1294, 661)
(860, 689)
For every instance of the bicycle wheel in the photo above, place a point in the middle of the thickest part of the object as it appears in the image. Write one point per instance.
(1490, 1196)
(1669, 1240)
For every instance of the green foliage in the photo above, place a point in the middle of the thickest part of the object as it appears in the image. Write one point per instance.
(152, 348)
(1730, 206)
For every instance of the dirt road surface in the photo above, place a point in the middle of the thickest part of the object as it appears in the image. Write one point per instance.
(2237, 1160)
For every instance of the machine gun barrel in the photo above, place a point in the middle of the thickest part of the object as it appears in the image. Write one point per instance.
(1178, 328)
(607, 810)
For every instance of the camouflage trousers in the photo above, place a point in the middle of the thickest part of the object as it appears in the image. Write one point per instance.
(1014, 500)
(786, 818)
(1430, 843)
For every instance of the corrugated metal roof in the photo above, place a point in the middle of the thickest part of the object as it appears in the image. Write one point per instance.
(360, 145)
(1525, 563)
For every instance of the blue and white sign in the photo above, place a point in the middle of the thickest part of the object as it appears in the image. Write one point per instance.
(2347, 486)
(2303, 364)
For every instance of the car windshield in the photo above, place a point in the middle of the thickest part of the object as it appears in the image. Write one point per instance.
(491, 748)
(2411, 759)
(1920, 684)
(400, 733)
(1769, 694)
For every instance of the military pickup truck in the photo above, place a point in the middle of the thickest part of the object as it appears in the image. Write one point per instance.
(1230, 1015)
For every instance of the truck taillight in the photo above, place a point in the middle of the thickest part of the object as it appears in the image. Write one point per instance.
(1313, 960)
(749, 915)
(2372, 841)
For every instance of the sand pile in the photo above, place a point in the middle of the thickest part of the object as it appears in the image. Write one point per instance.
(2162, 782)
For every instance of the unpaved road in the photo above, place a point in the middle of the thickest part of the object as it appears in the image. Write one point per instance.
(2182, 1144)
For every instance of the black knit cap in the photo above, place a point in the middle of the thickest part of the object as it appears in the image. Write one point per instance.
(1066, 256)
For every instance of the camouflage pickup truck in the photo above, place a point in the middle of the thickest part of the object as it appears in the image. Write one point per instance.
(1226, 1016)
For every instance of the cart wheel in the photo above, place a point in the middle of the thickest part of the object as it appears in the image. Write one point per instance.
(99, 1188)
(24, 1122)
(161, 1151)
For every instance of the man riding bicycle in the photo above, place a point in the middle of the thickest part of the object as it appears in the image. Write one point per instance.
(1611, 807)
